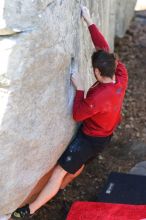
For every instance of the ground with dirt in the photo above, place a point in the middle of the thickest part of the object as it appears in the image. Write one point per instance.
(128, 145)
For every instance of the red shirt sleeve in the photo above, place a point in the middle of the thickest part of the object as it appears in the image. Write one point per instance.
(83, 108)
(98, 39)
(121, 73)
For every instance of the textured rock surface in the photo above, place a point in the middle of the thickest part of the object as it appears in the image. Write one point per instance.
(39, 40)
(125, 10)
(139, 169)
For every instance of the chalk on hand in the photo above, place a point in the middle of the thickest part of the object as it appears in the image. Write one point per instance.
(84, 10)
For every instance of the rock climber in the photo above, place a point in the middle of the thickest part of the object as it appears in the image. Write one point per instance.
(99, 112)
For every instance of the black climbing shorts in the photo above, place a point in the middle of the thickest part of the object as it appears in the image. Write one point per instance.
(81, 150)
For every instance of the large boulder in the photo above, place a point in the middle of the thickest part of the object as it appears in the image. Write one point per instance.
(124, 14)
(139, 169)
(40, 42)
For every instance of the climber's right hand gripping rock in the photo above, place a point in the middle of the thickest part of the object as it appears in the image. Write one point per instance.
(86, 15)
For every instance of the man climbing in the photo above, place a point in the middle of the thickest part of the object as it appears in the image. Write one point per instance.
(99, 112)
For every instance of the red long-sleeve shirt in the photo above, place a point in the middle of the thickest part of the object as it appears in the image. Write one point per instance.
(100, 111)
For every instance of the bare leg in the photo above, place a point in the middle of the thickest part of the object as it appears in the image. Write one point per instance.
(38, 188)
(69, 177)
(50, 190)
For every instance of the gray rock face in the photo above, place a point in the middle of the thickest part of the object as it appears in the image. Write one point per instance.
(40, 42)
(124, 15)
(139, 169)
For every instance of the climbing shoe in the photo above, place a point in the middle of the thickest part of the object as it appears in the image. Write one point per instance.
(21, 213)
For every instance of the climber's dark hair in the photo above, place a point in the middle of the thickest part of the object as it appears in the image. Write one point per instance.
(105, 62)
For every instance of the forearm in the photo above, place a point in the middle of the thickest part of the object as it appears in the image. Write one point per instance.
(97, 38)
(79, 96)
(89, 22)
(83, 108)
